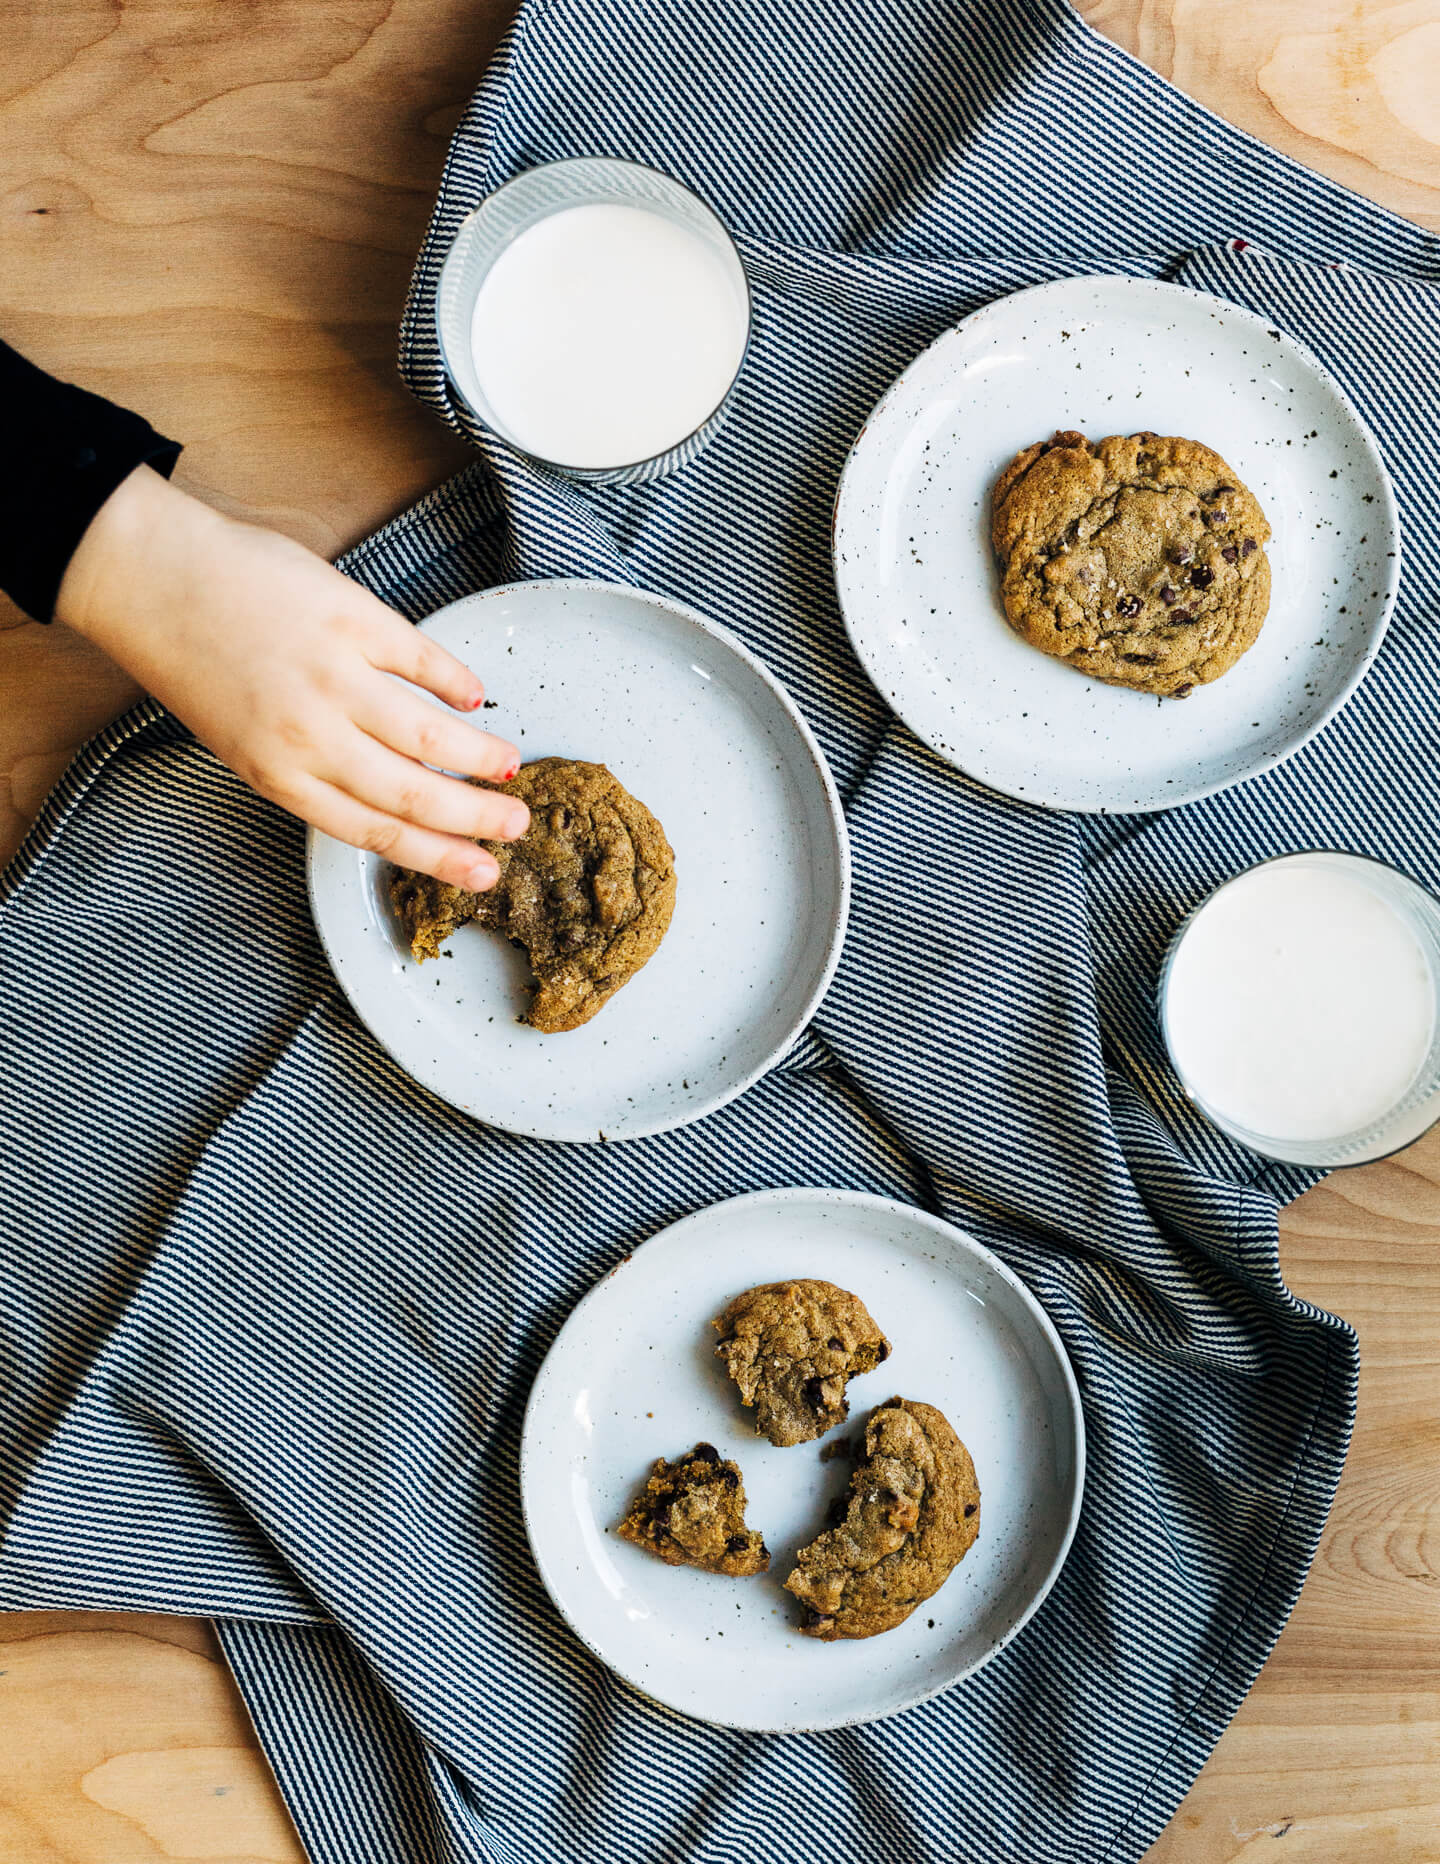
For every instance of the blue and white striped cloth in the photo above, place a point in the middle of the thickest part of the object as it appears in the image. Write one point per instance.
(271, 1311)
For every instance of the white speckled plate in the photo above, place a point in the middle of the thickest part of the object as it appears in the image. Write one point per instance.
(692, 723)
(917, 577)
(632, 1375)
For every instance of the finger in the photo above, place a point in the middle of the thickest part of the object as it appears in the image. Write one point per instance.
(447, 857)
(403, 721)
(401, 649)
(398, 786)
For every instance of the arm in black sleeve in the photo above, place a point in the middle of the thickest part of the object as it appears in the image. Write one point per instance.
(62, 453)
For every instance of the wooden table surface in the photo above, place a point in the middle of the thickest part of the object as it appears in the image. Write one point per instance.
(208, 211)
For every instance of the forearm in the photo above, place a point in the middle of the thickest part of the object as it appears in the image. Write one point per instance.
(133, 574)
(63, 453)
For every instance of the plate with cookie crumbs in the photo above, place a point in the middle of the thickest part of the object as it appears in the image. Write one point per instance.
(1111, 544)
(664, 929)
(802, 1460)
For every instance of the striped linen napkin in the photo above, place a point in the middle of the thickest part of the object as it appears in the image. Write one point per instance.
(272, 1311)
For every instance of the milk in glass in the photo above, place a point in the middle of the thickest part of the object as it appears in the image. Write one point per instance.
(606, 334)
(1300, 1003)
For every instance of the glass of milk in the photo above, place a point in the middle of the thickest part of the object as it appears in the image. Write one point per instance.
(1298, 1003)
(595, 314)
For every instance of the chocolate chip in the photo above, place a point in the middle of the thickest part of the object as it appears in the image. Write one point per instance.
(1247, 546)
(1082, 574)
(661, 1516)
(1181, 614)
(1168, 596)
(1128, 605)
(1144, 660)
(1182, 553)
(1202, 576)
(883, 1354)
(1182, 692)
(1230, 553)
(969, 1510)
(1213, 517)
(837, 1511)
(814, 1391)
(1220, 491)
(729, 1478)
(737, 1543)
(705, 1453)
(836, 1345)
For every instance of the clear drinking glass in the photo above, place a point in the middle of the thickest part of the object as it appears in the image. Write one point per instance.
(507, 213)
(1419, 1108)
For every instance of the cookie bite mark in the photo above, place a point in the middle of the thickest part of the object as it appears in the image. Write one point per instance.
(1127, 558)
(911, 1515)
(429, 911)
(692, 1513)
(791, 1347)
(588, 891)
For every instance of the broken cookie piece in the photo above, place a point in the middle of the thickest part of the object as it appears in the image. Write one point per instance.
(587, 890)
(692, 1513)
(790, 1348)
(910, 1517)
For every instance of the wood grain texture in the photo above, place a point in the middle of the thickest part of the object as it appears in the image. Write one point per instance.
(123, 1740)
(208, 210)
(1351, 87)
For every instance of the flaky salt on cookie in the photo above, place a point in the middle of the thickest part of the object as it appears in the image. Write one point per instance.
(1138, 560)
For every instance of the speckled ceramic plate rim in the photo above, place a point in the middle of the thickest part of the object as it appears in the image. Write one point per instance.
(840, 851)
(959, 1242)
(872, 657)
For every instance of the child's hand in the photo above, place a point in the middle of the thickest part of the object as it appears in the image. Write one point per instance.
(281, 666)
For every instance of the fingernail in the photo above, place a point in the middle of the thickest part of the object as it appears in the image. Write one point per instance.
(478, 700)
(517, 822)
(481, 875)
(510, 772)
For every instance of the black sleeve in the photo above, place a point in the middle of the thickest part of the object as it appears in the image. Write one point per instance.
(62, 453)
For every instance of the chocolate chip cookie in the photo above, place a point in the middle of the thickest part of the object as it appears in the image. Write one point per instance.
(692, 1513)
(588, 890)
(911, 1516)
(790, 1347)
(1139, 559)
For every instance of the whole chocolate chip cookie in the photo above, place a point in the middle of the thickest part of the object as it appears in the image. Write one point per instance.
(1139, 560)
(692, 1513)
(911, 1516)
(790, 1347)
(588, 890)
